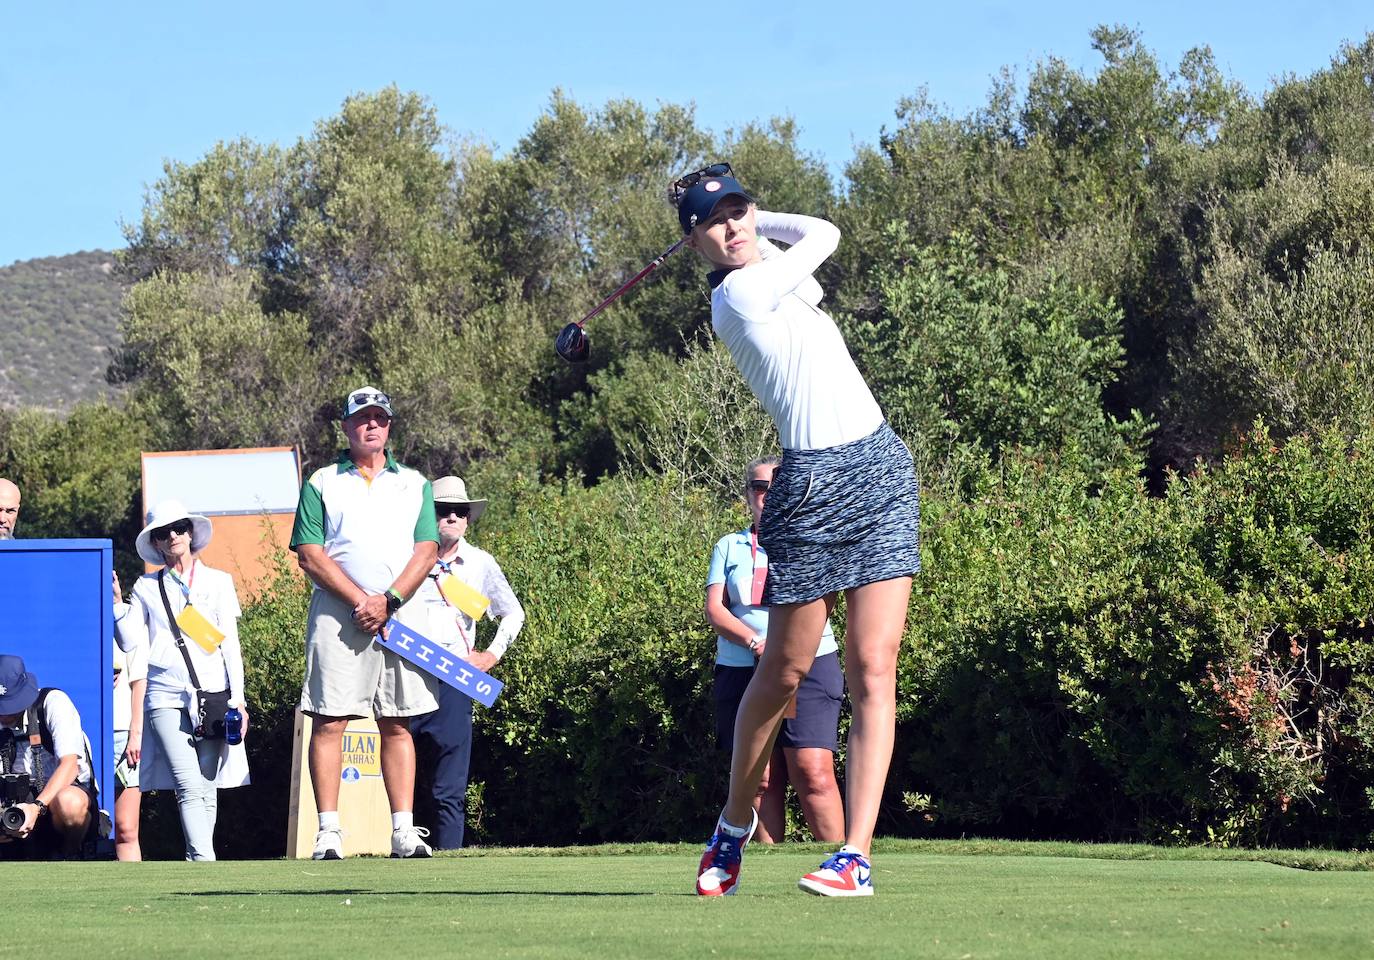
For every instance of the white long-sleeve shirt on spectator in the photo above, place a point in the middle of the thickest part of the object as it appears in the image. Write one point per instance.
(143, 621)
(453, 628)
(788, 349)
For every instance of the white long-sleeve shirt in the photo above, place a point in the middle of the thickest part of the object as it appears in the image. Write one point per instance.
(788, 349)
(144, 623)
(453, 628)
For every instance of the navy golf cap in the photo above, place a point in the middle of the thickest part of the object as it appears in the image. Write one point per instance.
(701, 198)
(18, 687)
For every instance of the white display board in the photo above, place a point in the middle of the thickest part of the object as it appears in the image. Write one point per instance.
(224, 482)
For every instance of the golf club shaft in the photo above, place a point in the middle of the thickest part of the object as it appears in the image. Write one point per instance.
(658, 261)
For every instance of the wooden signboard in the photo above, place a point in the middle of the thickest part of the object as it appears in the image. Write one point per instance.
(364, 812)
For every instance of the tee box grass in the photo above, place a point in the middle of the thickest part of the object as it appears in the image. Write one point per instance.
(961, 901)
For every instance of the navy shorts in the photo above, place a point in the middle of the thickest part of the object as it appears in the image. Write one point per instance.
(817, 721)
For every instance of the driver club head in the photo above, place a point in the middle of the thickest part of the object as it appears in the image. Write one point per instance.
(573, 344)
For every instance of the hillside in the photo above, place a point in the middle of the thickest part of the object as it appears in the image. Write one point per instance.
(59, 317)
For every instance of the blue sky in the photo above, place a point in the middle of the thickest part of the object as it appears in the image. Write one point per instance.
(93, 97)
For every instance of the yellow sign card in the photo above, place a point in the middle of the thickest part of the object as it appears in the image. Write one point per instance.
(463, 597)
(202, 631)
(361, 754)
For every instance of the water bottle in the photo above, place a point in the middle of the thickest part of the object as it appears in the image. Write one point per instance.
(233, 726)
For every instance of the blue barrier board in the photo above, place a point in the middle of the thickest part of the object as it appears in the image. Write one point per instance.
(57, 613)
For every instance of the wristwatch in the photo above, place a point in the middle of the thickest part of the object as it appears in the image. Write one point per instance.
(42, 807)
(393, 600)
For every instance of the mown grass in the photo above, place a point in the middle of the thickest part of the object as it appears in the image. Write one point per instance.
(963, 900)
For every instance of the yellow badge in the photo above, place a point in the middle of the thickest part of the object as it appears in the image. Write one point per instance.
(463, 597)
(202, 631)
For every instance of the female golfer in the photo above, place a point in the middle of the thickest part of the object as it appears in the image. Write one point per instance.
(842, 513)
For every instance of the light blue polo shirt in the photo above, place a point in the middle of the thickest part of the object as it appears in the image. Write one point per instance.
(732, 563)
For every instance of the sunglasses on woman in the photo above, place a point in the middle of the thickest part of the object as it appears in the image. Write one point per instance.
(758, 486)
(457, 510)
(165, 533)
(683, 184)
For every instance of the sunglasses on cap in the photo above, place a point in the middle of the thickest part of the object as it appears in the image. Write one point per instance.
(445, 510)
(683, 184)
(757, 486)
(364, 398)
(165, 533)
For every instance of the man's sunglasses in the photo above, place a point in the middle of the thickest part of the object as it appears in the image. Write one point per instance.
(758, 486)
(683, 184)
(165, 533)
(460, 511)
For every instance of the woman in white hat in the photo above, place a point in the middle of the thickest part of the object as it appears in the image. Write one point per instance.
(186, 615)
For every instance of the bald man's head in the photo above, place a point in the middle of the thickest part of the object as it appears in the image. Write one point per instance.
(9, 508)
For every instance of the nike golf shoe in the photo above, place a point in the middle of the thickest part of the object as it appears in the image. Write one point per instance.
(718, 874)
(845, 874)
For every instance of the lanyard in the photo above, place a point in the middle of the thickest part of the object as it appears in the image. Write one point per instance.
(760, 573)
(448, 569)
(185, 587)
(458, 615)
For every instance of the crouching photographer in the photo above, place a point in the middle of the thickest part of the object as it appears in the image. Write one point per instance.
(47, 796)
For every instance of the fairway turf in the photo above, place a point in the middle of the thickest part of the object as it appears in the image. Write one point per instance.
(507, 904)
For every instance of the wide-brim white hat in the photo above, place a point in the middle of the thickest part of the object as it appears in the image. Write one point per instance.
(454, 490)
(163, 513)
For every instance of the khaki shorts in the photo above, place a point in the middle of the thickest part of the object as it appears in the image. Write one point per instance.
(347, 675)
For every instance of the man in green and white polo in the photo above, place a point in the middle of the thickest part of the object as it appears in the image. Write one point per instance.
(366, 536)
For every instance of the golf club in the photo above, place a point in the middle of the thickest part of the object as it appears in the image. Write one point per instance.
(573, 344)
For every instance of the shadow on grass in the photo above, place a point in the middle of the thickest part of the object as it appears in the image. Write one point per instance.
(369, 892)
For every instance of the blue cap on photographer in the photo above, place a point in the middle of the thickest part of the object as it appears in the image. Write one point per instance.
(18, 687)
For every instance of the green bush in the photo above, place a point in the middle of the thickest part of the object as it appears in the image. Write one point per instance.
(1085, 660)
(605, 730)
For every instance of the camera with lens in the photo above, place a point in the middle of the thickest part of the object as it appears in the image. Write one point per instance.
(15, 788)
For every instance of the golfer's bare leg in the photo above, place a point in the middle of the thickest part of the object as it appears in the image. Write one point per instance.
(794, 633)
(326, 760)
(811, 771)
(398, 763)
(877, 616)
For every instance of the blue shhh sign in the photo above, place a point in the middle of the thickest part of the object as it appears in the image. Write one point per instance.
(448, 667)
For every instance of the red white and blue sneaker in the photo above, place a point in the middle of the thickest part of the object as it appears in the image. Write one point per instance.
(845, 874)
(718, 874)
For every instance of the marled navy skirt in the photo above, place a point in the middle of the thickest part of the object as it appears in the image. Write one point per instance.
(841, 517)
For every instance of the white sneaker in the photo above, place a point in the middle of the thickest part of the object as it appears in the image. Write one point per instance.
(328, 844)
(408, 842)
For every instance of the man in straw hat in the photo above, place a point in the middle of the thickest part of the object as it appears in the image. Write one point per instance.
(453, 623)
(41, 738)
(365, 535)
